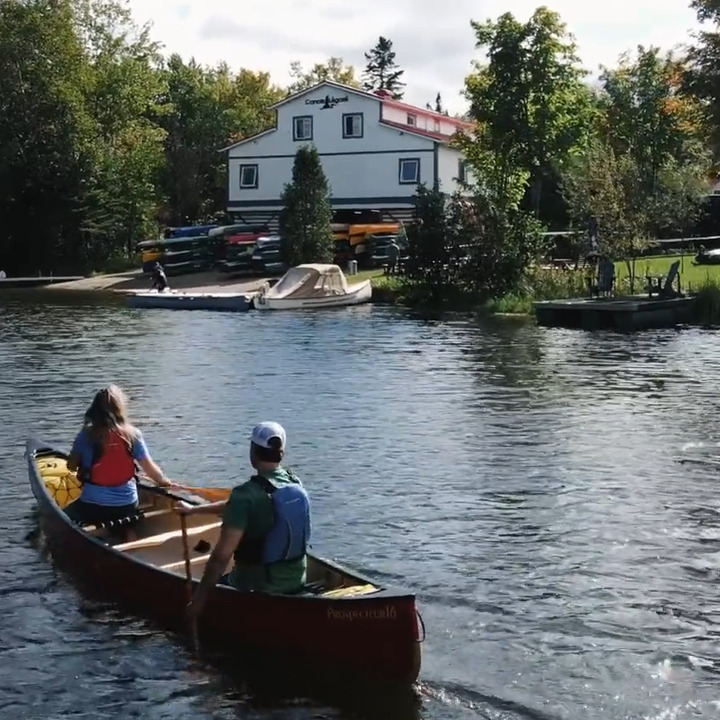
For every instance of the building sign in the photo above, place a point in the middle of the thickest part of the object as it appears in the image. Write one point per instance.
(328, 102)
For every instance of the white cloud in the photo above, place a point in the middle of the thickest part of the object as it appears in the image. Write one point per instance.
(434, 42)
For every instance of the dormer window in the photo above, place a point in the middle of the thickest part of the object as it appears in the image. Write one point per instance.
(412, 120)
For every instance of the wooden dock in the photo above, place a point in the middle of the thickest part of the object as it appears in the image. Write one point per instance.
(13, 283)
(617, 313)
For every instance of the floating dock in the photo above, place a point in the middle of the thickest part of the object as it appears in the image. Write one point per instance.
(39, 281)
(615, 313)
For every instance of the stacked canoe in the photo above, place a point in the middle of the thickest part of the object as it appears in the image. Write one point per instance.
(199, 248)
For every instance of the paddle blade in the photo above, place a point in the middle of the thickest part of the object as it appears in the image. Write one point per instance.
(209, 494)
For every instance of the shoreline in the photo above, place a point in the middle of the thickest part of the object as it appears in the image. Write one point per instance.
(385, 290)
(134, 280)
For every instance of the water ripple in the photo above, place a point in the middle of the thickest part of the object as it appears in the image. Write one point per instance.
(522, 481)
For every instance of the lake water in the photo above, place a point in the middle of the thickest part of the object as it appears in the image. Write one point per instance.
(522, 481)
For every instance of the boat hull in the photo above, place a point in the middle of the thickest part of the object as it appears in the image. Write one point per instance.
(357, 294)
(231, 302)
(373, 638)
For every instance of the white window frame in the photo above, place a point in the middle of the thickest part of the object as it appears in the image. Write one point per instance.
(401, 165)
(360, 125)
(254, 184)
(412, 120)
(299, 122)
(462, 170)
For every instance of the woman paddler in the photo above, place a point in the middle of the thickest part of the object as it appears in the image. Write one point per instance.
(104, 454)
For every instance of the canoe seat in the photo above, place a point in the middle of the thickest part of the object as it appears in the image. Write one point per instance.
(181, 563)
(155, 541)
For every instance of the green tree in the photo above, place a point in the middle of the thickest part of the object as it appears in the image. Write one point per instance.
(45, 155)
(646, 116)
(305, 223)
(599, 187)
(646, 174)
(80, 149)
(120, 201)
(702, 73)
(604, 186)
(528, 100)
(334, 69)
(207, 108)
(428, 262)
(381, 71)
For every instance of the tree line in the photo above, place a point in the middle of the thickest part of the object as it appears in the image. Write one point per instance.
(623, 160)
(103, 140)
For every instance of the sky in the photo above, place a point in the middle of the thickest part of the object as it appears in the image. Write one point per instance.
(434, 42)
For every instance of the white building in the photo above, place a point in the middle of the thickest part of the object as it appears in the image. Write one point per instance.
(374, 150)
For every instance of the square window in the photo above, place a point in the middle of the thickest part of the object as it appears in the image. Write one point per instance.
(462, 171)
(352, 125)
(409, 171)
(248, 176)
(302, 128)
(412, 120)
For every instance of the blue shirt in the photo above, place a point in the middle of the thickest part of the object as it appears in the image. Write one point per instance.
(125, 494)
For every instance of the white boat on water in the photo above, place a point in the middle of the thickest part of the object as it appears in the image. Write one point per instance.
(312, 286)
(178, 300)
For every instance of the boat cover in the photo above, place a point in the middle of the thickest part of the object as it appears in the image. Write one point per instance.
(310, 281)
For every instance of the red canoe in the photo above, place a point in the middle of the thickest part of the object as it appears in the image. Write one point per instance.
(341, 620)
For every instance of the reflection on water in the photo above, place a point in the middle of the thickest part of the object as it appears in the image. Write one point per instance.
(522, 481)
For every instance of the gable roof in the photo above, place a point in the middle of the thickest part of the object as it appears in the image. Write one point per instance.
(378, 97)
(248, 139)
(427, 112)
(331, 84)
(412, 130)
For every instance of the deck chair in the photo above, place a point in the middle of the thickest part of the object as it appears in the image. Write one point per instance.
(662, 286)
(605, 281)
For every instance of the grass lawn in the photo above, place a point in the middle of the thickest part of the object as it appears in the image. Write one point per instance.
(364, 275)
(691, 276)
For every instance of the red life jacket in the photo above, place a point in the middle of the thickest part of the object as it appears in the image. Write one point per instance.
(116, 466)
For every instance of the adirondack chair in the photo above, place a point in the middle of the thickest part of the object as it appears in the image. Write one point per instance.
(605, 280)
(662, 285)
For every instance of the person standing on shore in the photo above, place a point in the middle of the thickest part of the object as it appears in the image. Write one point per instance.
(160, 282)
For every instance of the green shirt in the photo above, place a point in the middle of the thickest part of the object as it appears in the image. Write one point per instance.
(250, 509)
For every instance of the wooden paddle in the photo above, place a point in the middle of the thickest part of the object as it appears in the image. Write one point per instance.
(188, 581)
(207, 494)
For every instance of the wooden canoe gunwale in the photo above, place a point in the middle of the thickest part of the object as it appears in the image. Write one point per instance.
(160, 592)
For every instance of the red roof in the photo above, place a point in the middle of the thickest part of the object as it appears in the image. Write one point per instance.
(416, 130)
(387, 99)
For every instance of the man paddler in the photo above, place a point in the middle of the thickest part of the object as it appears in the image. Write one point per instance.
(266, 526)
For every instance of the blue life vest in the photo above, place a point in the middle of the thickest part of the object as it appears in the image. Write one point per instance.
(289, 536)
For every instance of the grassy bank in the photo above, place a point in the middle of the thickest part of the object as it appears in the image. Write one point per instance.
(539, 285)
(555, 284)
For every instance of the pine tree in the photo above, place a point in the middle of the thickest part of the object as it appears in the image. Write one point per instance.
(438, 104)
(305, 223)
(381, 71)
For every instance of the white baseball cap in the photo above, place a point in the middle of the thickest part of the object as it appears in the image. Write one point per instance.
(266, 431)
